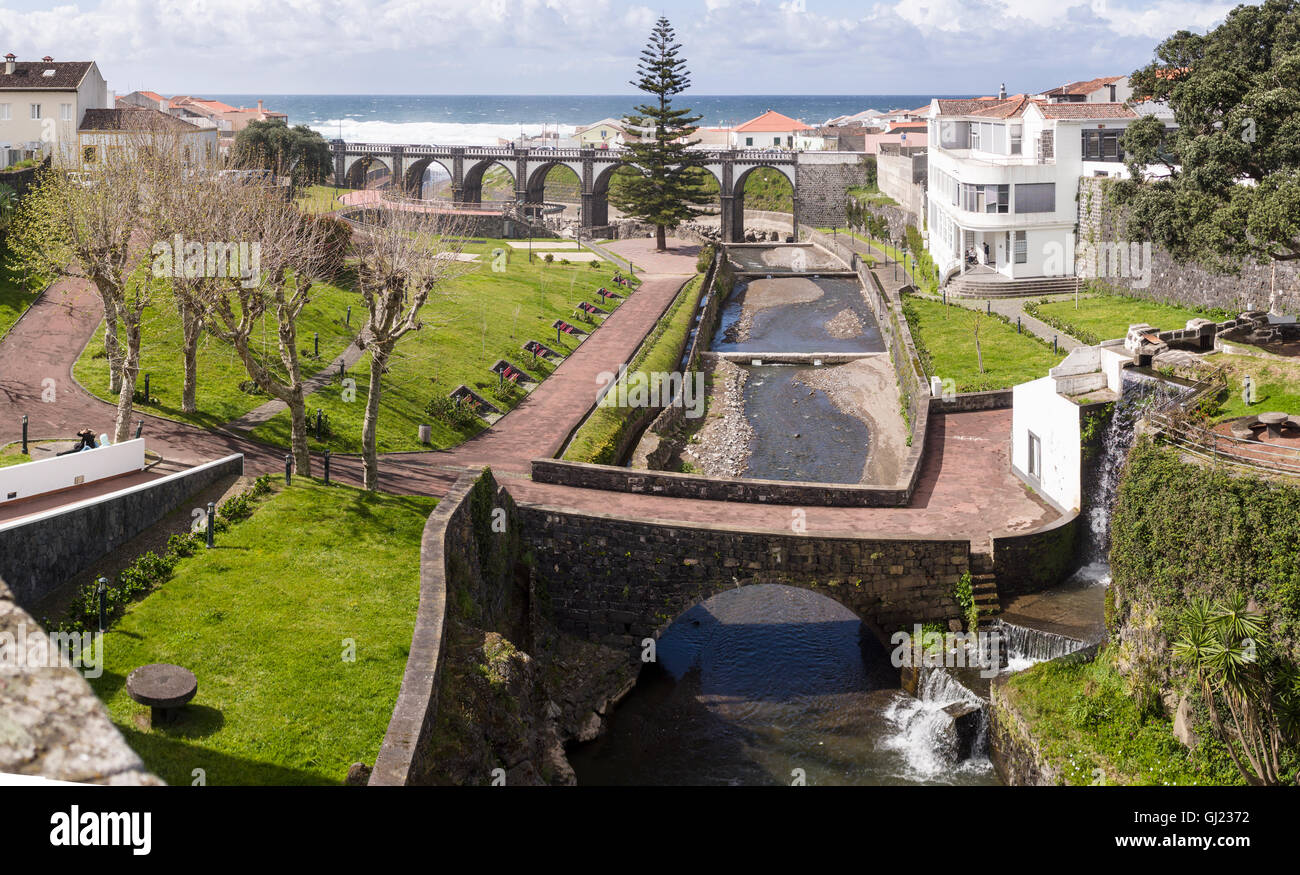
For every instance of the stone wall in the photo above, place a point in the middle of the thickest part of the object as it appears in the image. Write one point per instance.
(823, 190)
(37, 555)
(971, 402)
(1184, 283)
(1036, 560)
(897, 176)
(619, 581)
(51, 723)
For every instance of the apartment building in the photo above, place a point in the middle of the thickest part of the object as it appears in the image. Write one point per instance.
(42, 104)
(1003, 173)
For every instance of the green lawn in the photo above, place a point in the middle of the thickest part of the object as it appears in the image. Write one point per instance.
(263, 621)
(13, 455)
(321, 198)
(16, 293)
(596, 440)
(1277, 385)
(1106, 317)
(1087, 725)
(486, 316)
(945, 338)
(220, 371)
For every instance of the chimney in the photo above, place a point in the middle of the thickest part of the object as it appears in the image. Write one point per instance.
(1002, 92)
(9, 63)
(259, 106)
(47, 59)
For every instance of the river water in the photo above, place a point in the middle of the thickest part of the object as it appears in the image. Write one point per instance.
(768, 684)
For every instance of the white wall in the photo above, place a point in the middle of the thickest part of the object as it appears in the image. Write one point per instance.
(63, 472)
(1038, 408)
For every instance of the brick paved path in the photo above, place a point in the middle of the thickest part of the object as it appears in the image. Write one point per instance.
(966, 488)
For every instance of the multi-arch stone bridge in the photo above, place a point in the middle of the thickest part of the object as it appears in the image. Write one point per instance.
(819, 180)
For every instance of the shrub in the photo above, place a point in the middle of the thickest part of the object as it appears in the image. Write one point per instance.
(457, 413)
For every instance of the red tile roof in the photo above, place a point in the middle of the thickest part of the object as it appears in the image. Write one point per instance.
(1086, 110)
(28, 75)
(1087, 86)
(132, 119)
(772, 121)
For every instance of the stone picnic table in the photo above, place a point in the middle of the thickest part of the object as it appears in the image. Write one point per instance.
(1274, 421)
(165, 688)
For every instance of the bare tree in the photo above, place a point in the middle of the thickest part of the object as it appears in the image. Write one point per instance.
(403, 257)
(289, 258)
(94, 216)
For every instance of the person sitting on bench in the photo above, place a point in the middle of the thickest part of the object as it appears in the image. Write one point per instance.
(85, 441)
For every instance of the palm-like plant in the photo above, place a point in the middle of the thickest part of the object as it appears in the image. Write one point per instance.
(1224, 648)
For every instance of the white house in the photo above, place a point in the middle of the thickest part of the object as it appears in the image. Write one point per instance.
(42, 104)
(1105, 89)
(1003, 175)
(104, 131)
(772, 130)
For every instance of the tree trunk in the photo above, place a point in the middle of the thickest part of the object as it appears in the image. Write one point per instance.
(298, 437)
(126, 393)
(192, 326)
(661, 241)
(370, 425)
(111, 349)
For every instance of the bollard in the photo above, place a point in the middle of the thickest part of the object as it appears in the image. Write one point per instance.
(288, 468)
(102, 592)
(1017, 325)
(212, 523)
(347, 322)
(318, 422)
(989, 311)
(557, 336)
(139, 427)
(1053, 343)
(146, 388)
(24, 434)
(327, 467)
(315, 337)
(340, 370)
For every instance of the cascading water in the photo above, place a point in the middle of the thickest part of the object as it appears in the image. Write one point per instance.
(942, 730)
(1024, 646)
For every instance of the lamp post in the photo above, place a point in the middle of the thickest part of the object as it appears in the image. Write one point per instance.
(24, 434)
(288, 468)
(101, 591)
(212, 524)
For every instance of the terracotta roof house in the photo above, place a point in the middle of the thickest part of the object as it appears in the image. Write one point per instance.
(772, 130)
(104, 131)
(42, 103)
(1104, 89)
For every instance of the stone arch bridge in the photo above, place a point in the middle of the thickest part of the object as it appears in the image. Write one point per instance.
(819, 180)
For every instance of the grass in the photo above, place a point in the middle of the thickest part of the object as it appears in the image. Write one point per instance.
(1277, 384)
(1106, 316)
(13, 455)
(945, 339)
(263, 621)
(321, 198)
(486, 316)
(596, 440)
(220, 371)
(1087, 725)
(16, 293)
(870, 194)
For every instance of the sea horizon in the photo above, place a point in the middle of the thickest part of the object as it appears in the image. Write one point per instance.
(476, 119)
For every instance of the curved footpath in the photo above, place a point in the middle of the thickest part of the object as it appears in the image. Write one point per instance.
(966, 488)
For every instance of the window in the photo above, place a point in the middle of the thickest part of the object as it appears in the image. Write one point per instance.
(1036, 197)
(975, 136)
(1022, 247)
(36, 110)
(1047, 146)
(1035, 457)
(1102, 146)
(776, 141)
(88, 155)
(1015, 139)
(749, 141)
(985, 198)
(4, 112)
(65, 111)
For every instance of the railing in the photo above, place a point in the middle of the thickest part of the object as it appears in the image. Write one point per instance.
(1201, 440)
(760, 156)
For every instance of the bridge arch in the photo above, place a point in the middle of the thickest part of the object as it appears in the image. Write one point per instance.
(738, 192)
(599, 208)
(414, 181)
(472, 186)
(538, 173)
(361, 170)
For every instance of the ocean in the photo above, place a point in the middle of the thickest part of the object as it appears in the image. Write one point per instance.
(458, 119)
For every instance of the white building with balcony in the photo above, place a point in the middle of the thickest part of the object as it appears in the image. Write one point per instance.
(1003, 176)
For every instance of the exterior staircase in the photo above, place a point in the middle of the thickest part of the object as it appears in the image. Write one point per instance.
(985, 588)
(988, 284)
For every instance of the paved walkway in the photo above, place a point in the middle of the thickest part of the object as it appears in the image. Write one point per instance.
(966, 488)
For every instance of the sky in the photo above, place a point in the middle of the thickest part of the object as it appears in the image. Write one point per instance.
(591, 46)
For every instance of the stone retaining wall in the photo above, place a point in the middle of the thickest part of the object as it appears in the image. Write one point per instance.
(823, 190)
(1036, 560)
(51, 723)
(618, 581)
(971, 402)
(1185, 283)
(37, 555)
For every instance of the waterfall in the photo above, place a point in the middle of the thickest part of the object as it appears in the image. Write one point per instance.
(1022, 646)
(1139, 389)
(944, 728)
